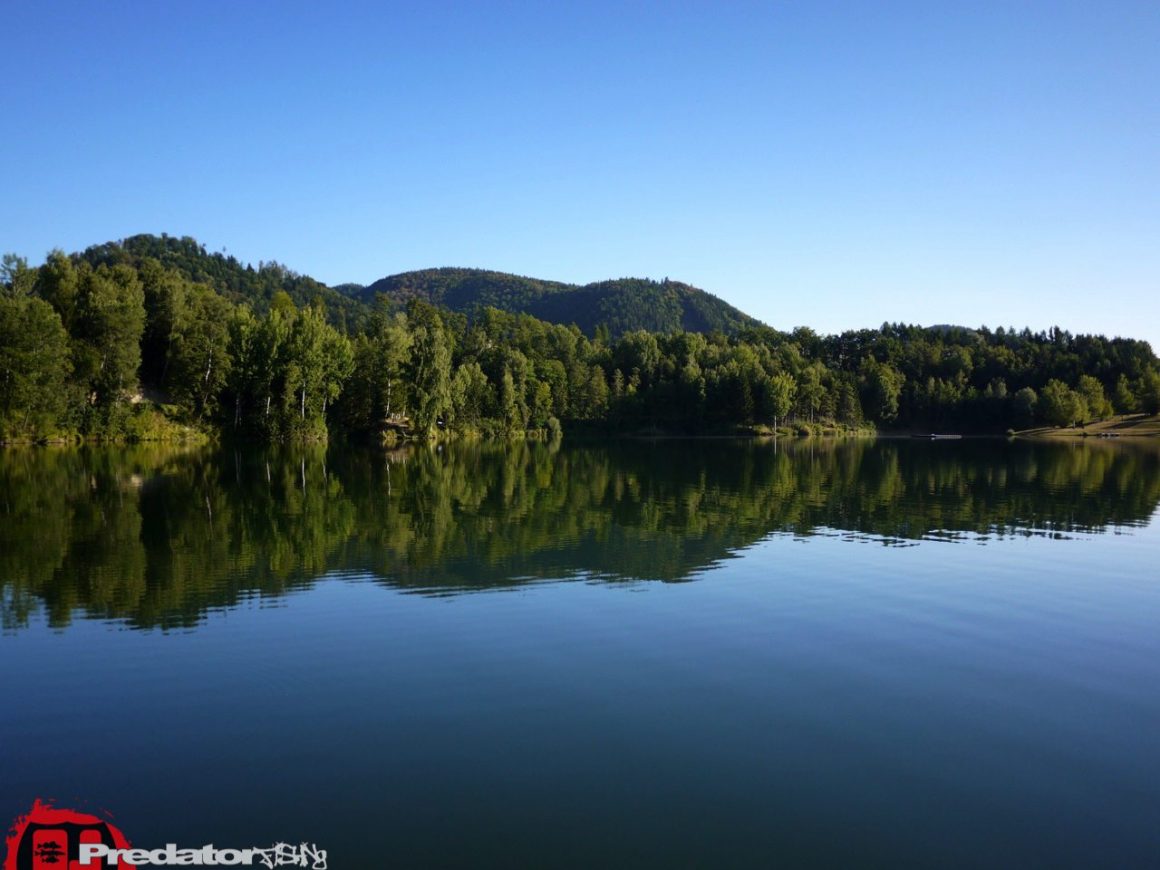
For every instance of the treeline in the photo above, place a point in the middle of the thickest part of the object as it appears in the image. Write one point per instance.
(94, 344)
(84, 348)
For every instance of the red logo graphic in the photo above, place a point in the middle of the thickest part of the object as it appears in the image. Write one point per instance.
(50, 839)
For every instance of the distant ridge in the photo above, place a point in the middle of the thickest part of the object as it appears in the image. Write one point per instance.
(623, 305)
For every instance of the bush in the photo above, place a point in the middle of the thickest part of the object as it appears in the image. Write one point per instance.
(147, 423)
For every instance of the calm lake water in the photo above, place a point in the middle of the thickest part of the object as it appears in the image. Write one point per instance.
(708, 653)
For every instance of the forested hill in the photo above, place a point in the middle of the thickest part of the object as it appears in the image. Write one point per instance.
(622, 305)
(238, 282)
(128, 340)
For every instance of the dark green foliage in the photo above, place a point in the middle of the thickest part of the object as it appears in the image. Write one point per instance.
(1148, 392)
(1096, 403)
(103, 311)
(620, 306)
(429, 371)
(101, 344)
(376, 391)
(1023, 407)
(165, 301)
(34, 365)
(107, 326)
(462, 289)
(198, 356)
(317, 360)
(57, 283)
(16, 279)
(1060, 405)
(1123, 398)
(237, 282)
(472, 397)
(883, 389)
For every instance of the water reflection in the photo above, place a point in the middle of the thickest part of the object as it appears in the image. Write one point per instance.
(157, 536)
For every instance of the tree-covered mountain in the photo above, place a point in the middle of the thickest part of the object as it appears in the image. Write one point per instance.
(127, 340)
(464, 289)
(236, 281)
(622, 305)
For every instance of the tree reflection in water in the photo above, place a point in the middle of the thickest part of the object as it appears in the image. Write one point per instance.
(156, 536)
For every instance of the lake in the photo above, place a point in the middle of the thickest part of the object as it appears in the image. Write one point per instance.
(639, 654)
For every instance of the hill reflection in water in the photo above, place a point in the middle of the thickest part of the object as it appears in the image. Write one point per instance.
(157, 537)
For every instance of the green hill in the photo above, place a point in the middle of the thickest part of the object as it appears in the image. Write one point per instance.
(622, 305)
(236, 281)
(464, 289)
(84, 338)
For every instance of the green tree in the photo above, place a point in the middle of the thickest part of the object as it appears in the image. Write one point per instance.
(165, 298)
(884, 387)
(509, 407)
(849, 407)
(16, 279)
(1060, 405)
(1123, 398)
(107, 328)
(34, 365)
(638, 352)
(781, 389)
(1023, 405)
(1148, 392)
(554, 373)
(376, 389)
(244, 385)
(810, 390)
(317, 360)
(471, 395)
(267, 362)
(200, 359)
(540, 407)
(57, 283)
(1092, 393)
(595, 394)
(430, 367)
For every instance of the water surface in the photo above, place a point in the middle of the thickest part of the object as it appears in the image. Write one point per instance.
(703, 653)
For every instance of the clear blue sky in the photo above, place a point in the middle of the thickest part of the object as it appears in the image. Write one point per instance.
(828, 164)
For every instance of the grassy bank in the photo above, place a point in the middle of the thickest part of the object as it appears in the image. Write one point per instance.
(1125, 426)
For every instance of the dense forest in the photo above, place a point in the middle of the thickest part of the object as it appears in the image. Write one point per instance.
(619, 307)
(154, 337)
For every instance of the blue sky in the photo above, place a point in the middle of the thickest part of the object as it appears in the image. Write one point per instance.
(829, 164)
